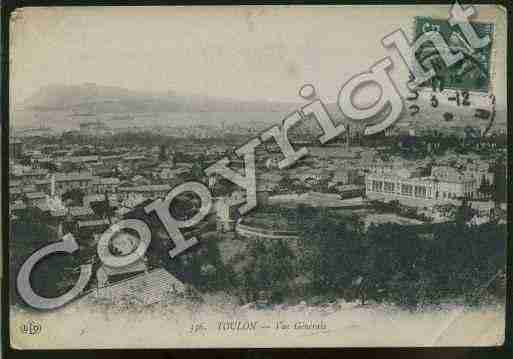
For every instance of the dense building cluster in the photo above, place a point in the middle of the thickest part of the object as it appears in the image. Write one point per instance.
(77, 187)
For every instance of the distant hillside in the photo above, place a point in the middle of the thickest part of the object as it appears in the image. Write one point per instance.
(92, 98)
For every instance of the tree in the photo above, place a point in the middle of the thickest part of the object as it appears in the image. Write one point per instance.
(163, 153)
(500, 183)
(397, 265)
(75, 195)
(103, 208)
(26, 161)
(197, 173)
(269, 270)
(332, 252)
(464, 213)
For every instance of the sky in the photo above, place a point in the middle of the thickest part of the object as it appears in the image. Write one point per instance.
(244, 52)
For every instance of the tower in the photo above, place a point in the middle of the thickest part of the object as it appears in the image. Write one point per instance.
(224, 215)
(52, 186)
(348, 136)
(212, 182)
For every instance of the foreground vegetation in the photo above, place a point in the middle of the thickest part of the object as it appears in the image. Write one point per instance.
(335, 257)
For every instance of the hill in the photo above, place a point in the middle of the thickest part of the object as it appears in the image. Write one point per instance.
(92, 98)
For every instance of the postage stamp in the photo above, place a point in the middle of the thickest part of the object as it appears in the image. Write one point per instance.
(473, 72)
(257, 176)
(458, 89)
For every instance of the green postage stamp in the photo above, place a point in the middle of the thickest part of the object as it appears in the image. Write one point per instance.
(473, 72)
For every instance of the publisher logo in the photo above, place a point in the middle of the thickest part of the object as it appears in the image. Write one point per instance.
(31, 327)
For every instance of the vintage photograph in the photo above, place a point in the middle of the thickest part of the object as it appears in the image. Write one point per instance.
(257, 176)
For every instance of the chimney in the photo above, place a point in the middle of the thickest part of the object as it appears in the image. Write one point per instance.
(52, 186)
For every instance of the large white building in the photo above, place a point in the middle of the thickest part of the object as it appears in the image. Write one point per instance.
(404, 186)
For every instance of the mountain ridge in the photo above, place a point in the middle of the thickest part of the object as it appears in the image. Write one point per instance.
(110, 99)
(93, 99)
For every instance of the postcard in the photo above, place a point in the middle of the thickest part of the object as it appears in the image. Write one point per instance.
(257, 176)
